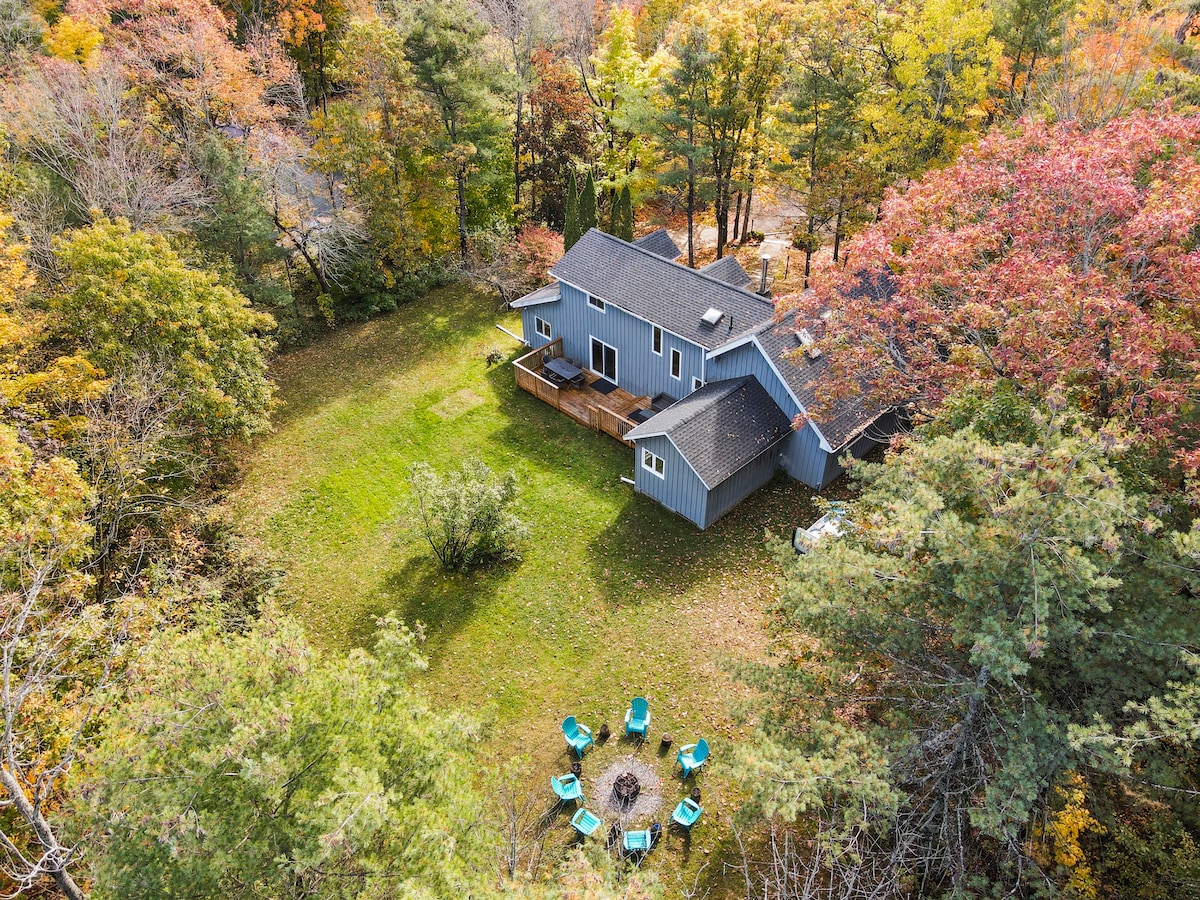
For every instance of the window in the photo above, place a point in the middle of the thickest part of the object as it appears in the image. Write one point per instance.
(676, 363)
(604, 360)
(653, 463)
(656, 346)
(541, 326)
(595, 303)
(697, 384)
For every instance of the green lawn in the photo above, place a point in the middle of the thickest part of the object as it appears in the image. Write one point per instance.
(615, 596)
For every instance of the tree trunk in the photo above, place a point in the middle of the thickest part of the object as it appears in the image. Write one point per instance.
(837, 228)
(737, 216)
(691, 211)
(460, 186)
(56, 855)
(517, 152)
(746, 212)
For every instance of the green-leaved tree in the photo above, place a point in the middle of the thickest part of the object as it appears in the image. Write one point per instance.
(251, 765)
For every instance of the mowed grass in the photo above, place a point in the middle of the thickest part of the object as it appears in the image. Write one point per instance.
(614, 595)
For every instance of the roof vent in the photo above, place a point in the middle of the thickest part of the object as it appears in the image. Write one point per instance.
(805, 339)
(712, 317)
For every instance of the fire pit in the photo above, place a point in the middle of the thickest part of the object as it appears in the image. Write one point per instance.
(626, 788)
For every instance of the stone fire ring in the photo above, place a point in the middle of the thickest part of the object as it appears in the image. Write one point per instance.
(649, 797)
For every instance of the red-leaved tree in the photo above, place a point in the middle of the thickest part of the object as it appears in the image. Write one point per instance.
(1063, 261)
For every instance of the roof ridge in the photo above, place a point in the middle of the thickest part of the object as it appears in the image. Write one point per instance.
(678, 265)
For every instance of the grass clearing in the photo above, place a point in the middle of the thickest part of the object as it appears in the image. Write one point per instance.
(615, 596)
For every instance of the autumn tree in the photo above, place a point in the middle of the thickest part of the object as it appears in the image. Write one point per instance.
(376, 141)
(743, 65)
(444, 48)
(1057, 260)
(129, 295)
(558, 137)
(943, 60)
(619, 85)
(999, 584)
(57, 657)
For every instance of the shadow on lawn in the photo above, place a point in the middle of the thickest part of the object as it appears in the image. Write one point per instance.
(442, 601)
(359, 355)
(649, 548)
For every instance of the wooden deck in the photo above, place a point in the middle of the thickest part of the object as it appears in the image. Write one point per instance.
(600, 412)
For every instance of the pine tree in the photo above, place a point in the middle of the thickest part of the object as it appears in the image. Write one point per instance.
(571, 229)
(587, 206)
(623, 217)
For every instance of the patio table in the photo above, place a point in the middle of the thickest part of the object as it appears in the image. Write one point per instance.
(565, 370)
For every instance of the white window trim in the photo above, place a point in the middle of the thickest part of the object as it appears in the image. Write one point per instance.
(616, 352)
(696, 383)
(539, 324)
(676, 356)
(657, 332)
(656, 465)
(597, 304)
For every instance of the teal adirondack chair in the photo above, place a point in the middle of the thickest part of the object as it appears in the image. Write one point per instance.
(566, 788)
(578, 736)
(686, 813)
(636, 841)
(637, 718)
(693, 756)
(585, 822)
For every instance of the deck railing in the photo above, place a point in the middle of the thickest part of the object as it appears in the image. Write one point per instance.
(610, 422)
(576, 405)
(529, 380)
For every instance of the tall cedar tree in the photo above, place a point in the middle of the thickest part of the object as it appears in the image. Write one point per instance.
(587, 205)
(623, 215)
(571, 231)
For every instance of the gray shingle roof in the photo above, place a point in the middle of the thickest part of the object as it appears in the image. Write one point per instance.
(720, 427)
(659, 290)
(728, 270)
(659, 243)
(846, 418)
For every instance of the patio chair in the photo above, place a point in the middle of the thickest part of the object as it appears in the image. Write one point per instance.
(585, 822)
(636, 841)
(566, 788)
(578, 736)
(693, 756)
(686, 813)
(637, 717)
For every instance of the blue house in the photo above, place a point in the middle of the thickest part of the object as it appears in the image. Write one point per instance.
(688, 367)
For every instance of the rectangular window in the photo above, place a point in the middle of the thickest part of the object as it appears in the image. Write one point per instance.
(697, 384)
(595, 303)
(541, 326)
(656, 346)
(653, 463)
(676, 363)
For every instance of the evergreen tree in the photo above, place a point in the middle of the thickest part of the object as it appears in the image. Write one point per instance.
(587, 206)
(571, 231)
(995, 591)
(623, 216)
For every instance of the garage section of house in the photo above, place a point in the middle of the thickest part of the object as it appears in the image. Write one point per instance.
(709, 451)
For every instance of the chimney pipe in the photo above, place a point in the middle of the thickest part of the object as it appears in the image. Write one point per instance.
(731, 323)
(762, 281)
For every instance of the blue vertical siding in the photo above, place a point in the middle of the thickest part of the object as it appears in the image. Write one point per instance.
(680, 490)
(741, 484)
(802, 455)
(639, 370)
